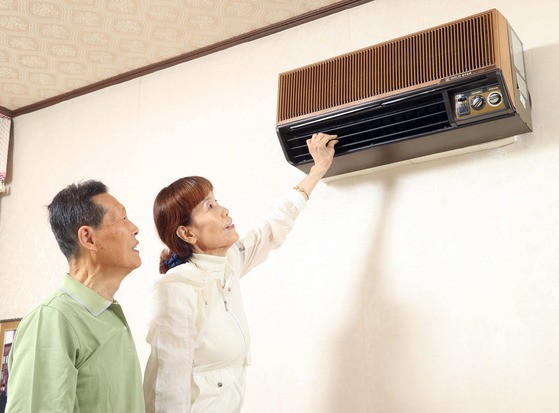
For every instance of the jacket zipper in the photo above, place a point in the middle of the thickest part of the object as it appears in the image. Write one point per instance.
(235, 320)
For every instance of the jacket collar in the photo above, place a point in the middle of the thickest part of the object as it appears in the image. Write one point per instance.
(216, 266)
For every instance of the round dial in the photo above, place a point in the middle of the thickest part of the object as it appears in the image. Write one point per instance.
(494, 98)
(477, 102)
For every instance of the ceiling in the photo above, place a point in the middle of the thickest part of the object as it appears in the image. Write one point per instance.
(53, 50)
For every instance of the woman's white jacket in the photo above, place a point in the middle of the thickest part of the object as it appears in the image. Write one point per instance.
(199, 337)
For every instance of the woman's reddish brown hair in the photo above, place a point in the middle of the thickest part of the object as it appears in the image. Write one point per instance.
(173, 208)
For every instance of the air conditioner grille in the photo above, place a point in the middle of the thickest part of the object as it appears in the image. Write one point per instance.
(372, 127)
(411, 61)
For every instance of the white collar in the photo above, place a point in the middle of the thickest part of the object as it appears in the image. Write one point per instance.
(210, 263)
(218, 267)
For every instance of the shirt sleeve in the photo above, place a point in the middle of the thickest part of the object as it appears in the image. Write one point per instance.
(42, 372)
(172, 334)
(271, 232)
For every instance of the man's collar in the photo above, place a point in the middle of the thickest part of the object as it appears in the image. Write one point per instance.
(88, 298)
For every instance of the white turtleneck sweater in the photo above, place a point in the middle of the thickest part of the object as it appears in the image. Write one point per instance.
(199, 337)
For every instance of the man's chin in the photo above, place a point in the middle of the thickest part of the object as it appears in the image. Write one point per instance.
(137, 263)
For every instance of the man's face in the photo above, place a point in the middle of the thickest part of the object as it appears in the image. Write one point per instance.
(115, 238)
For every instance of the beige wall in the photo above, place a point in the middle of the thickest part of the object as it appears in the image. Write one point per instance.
(426, 288)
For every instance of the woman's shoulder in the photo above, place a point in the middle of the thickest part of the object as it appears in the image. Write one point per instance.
(185, 273)
(235, 253)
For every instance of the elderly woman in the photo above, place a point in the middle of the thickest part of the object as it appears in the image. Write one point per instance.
(200, 344)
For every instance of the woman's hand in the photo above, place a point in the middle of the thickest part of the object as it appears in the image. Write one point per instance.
(321, 148)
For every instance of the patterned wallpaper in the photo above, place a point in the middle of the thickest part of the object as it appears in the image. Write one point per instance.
(50, 47)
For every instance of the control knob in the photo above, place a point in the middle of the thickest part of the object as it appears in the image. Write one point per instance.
(494, 98)
(477, 102)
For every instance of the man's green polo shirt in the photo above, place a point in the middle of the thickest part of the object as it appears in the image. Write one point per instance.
(74, 353)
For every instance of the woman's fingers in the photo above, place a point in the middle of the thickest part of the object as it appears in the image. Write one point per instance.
(331, 143)
(322, 140)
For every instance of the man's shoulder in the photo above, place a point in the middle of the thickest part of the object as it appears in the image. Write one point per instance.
(55, 304)
(53, 300)
(53, 319)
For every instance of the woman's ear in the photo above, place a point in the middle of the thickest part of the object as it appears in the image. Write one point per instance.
(186, 234)
(86, 238)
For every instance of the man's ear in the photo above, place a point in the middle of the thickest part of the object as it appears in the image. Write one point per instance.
(86, 238)
(186, 234)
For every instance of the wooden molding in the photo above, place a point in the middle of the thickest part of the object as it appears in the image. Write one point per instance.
(247, 37)
(6, 112)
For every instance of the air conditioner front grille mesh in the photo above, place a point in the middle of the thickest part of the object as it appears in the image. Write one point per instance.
(411, 61)
(372, 127)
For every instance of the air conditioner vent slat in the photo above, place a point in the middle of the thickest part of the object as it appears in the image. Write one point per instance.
(374, 127)
(364, 119)
(408, 62)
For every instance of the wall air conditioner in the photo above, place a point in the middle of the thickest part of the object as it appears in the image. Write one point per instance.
(443, 90)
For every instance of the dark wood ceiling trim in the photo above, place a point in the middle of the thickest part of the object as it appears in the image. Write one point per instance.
(247, 37)
(6, 112)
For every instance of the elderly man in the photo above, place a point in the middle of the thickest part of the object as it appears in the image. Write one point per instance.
(74, 352)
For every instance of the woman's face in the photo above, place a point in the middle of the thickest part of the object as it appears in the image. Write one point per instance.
(212, 231)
